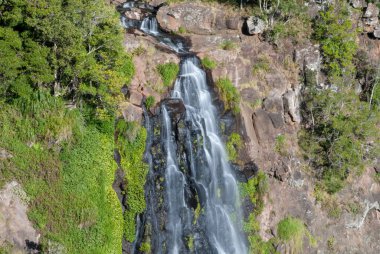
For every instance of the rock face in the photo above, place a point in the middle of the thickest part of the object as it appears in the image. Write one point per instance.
(131, 113)
(255, 25)
(358, 3)
(196, 19)
(15, 228)
(376, 32)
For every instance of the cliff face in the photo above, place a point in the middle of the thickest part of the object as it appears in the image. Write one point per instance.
(270, 78)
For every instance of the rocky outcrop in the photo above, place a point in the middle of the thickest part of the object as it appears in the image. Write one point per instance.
(255, 25)
(130, 112)
(15, 227)
(196, 19)
(308, 57)
(371, 20)
(358, 4)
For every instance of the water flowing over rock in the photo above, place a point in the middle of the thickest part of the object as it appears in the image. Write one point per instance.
(191, 191)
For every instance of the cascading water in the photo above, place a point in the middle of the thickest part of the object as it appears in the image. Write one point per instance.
(150, 26)
(199, 211)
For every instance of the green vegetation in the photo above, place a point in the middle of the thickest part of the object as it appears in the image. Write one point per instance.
(261, 66)
(341, 126)
(234, 144)
(62, 69)
(288, 20)
(149, 102)
(229, 94)
(334, 31)
(255, 190)
(280, 145)
(168, 72)
(328, 202)
(130, 141)
(208, 63)
(145, 247)
(181, 30)
(292, 232)
(331, 243)
(228, 45)
(67, 169)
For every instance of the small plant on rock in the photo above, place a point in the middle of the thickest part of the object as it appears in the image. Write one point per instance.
(149, 102)
(208, 63)
(168, 72)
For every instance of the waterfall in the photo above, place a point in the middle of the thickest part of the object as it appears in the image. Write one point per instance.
(191, 194)
(149, 25)
(216, 186)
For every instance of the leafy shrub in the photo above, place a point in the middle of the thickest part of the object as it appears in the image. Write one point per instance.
(233, 146)
(292, 232)
(208, 63)
(181, 30)
(229, 94)
(168, 72)
(334, 30)
(149, 102)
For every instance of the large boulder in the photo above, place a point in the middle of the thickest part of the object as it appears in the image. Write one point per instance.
(292, 104)
(275, 109)
(196, 19)
(371, 11)
(131, 113)
(255, 25)
(263, 126)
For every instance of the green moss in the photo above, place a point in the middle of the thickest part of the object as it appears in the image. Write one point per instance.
(233, 145)
(145, 247)
(229, 94)
(168, 72)
(255, 190)
(130, 142)
(208, 63)
(181, 30)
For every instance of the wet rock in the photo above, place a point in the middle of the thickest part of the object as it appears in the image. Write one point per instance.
(131, 113)
(255, 25)
(175, 107)
(4, 154)
(292, 104)
(250, 169)
(134, 14)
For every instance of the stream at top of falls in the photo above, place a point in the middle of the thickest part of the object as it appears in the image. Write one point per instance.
(214, 226)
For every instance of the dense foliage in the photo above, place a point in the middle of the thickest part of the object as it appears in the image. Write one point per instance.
(341, 134)
(168, 72)
(62, 66)
(229, 94)
(73, 48)
(130, 142)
